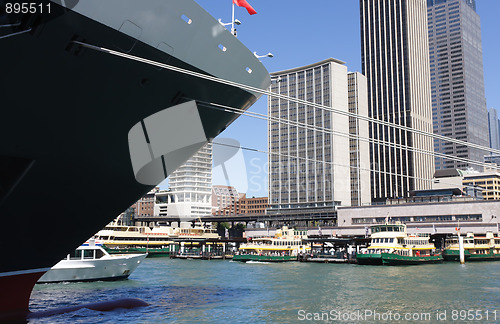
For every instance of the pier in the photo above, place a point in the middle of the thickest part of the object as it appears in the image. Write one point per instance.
(333, 250)
(206, 249)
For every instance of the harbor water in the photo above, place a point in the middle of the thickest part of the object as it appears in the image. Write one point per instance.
(195, 291)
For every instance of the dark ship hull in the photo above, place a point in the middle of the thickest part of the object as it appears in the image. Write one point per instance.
(66, 161)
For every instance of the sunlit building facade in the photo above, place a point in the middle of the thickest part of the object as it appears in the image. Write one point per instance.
(395, 61)
(310, 146)
(190, 188)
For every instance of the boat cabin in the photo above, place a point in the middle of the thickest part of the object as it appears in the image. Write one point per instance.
(90, 250)
(86, 253)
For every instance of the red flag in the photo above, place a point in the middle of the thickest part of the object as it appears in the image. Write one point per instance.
(244, 4)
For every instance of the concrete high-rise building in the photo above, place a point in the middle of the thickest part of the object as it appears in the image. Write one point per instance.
(309, 166)
(359, 148)
(493, 127)
(190, 187)
(395, 60)
(456, 63)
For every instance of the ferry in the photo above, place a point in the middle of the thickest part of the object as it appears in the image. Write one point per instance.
(117, 239)
(90, 262)
(286, 245)
(198, 231)
(391, 245)
(476, 248)
(101, 101)
(156, 241)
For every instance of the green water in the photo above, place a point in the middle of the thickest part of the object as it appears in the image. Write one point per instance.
(194, 291)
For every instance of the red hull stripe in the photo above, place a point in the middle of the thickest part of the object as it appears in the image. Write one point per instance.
(15, 291)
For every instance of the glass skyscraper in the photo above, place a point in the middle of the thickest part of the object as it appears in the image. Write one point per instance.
(456, 62)
(493, 127)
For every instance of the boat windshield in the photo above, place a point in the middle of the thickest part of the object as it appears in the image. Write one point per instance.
(265, 242)
(387, 228)
(87, 254)
(383, 240)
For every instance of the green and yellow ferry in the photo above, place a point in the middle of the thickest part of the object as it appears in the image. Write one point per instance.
(476, 248)
(286, 245)
(391, 245)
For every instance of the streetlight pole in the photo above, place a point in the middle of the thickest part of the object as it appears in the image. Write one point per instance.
(261, 56)
(232, 23)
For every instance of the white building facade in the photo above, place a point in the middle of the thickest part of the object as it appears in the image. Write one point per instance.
(359, 149)
(309, 146)
(478, 216)
(190, 188)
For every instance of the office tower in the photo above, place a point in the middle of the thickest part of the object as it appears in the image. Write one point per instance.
(309, 164)
(191, 187)
(359, 149)
(456, 63)
(395, 61)
(494, 131)
(470, 3)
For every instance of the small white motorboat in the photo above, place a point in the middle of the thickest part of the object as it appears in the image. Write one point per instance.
(90, 262)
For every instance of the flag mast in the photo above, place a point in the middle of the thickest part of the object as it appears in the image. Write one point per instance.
(232, 20)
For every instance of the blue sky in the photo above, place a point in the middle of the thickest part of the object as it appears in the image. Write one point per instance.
(303, 32)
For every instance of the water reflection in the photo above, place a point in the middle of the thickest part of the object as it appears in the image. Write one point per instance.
(214, 291)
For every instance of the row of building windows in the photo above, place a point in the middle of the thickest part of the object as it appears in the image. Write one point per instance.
(418, 219)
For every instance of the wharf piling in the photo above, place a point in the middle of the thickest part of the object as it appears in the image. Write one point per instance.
(461, 248)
